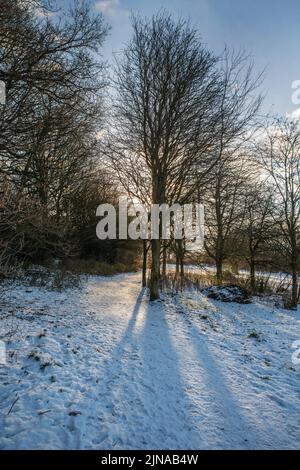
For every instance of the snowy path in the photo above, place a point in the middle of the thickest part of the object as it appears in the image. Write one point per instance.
(99, 367)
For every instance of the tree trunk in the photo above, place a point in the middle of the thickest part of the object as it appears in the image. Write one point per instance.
(294, 301)
(180, 257)
(252, 275)
(164, 261)
(219, 266)
(181, 268)
(155, 265)
(158, 197)
(177, 267)
(144, 275)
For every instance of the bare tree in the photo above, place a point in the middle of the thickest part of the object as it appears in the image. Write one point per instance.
(49, 123)
(238, 107)
(42, 60)
(279, 152)
(166, 90)
(258, 226)
(224, 210)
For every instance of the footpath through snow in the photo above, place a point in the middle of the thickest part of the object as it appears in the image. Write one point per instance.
(98, 367)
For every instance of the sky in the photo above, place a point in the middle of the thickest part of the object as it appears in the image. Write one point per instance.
(268, 30)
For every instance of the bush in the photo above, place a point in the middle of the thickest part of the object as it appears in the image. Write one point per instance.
(96, 267)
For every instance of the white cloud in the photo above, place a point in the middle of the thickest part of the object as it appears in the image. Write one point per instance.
(294, 114)
(107, 7)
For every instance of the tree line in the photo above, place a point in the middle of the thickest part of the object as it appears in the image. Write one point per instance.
(173, 122)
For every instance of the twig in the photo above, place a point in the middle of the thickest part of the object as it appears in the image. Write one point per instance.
(44, 412)
(10, 409)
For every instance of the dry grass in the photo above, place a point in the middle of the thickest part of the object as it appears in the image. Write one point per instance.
(99, 268)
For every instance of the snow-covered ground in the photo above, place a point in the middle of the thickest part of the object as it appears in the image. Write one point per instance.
(279, 278)
(99, 367)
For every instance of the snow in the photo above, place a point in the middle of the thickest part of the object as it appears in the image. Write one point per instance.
(201, 268)
(228, 293)
(99, 367)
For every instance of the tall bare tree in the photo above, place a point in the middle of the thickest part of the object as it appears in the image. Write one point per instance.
(166, 87)
(279, 153)
(224, 210)
(238, 109)
(258, 225)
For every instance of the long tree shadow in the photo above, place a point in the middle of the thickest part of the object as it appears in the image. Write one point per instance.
(169, 411)
(146, 401)
(113, 365)
(116, 385)
(236, 424)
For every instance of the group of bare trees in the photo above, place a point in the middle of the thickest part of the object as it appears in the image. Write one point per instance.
(186, 128)
(167, 88)
(181, 117)
(49, 149)
(183, 127)
(279, 154)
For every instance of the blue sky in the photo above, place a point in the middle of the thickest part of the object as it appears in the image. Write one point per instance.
(268, 30)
